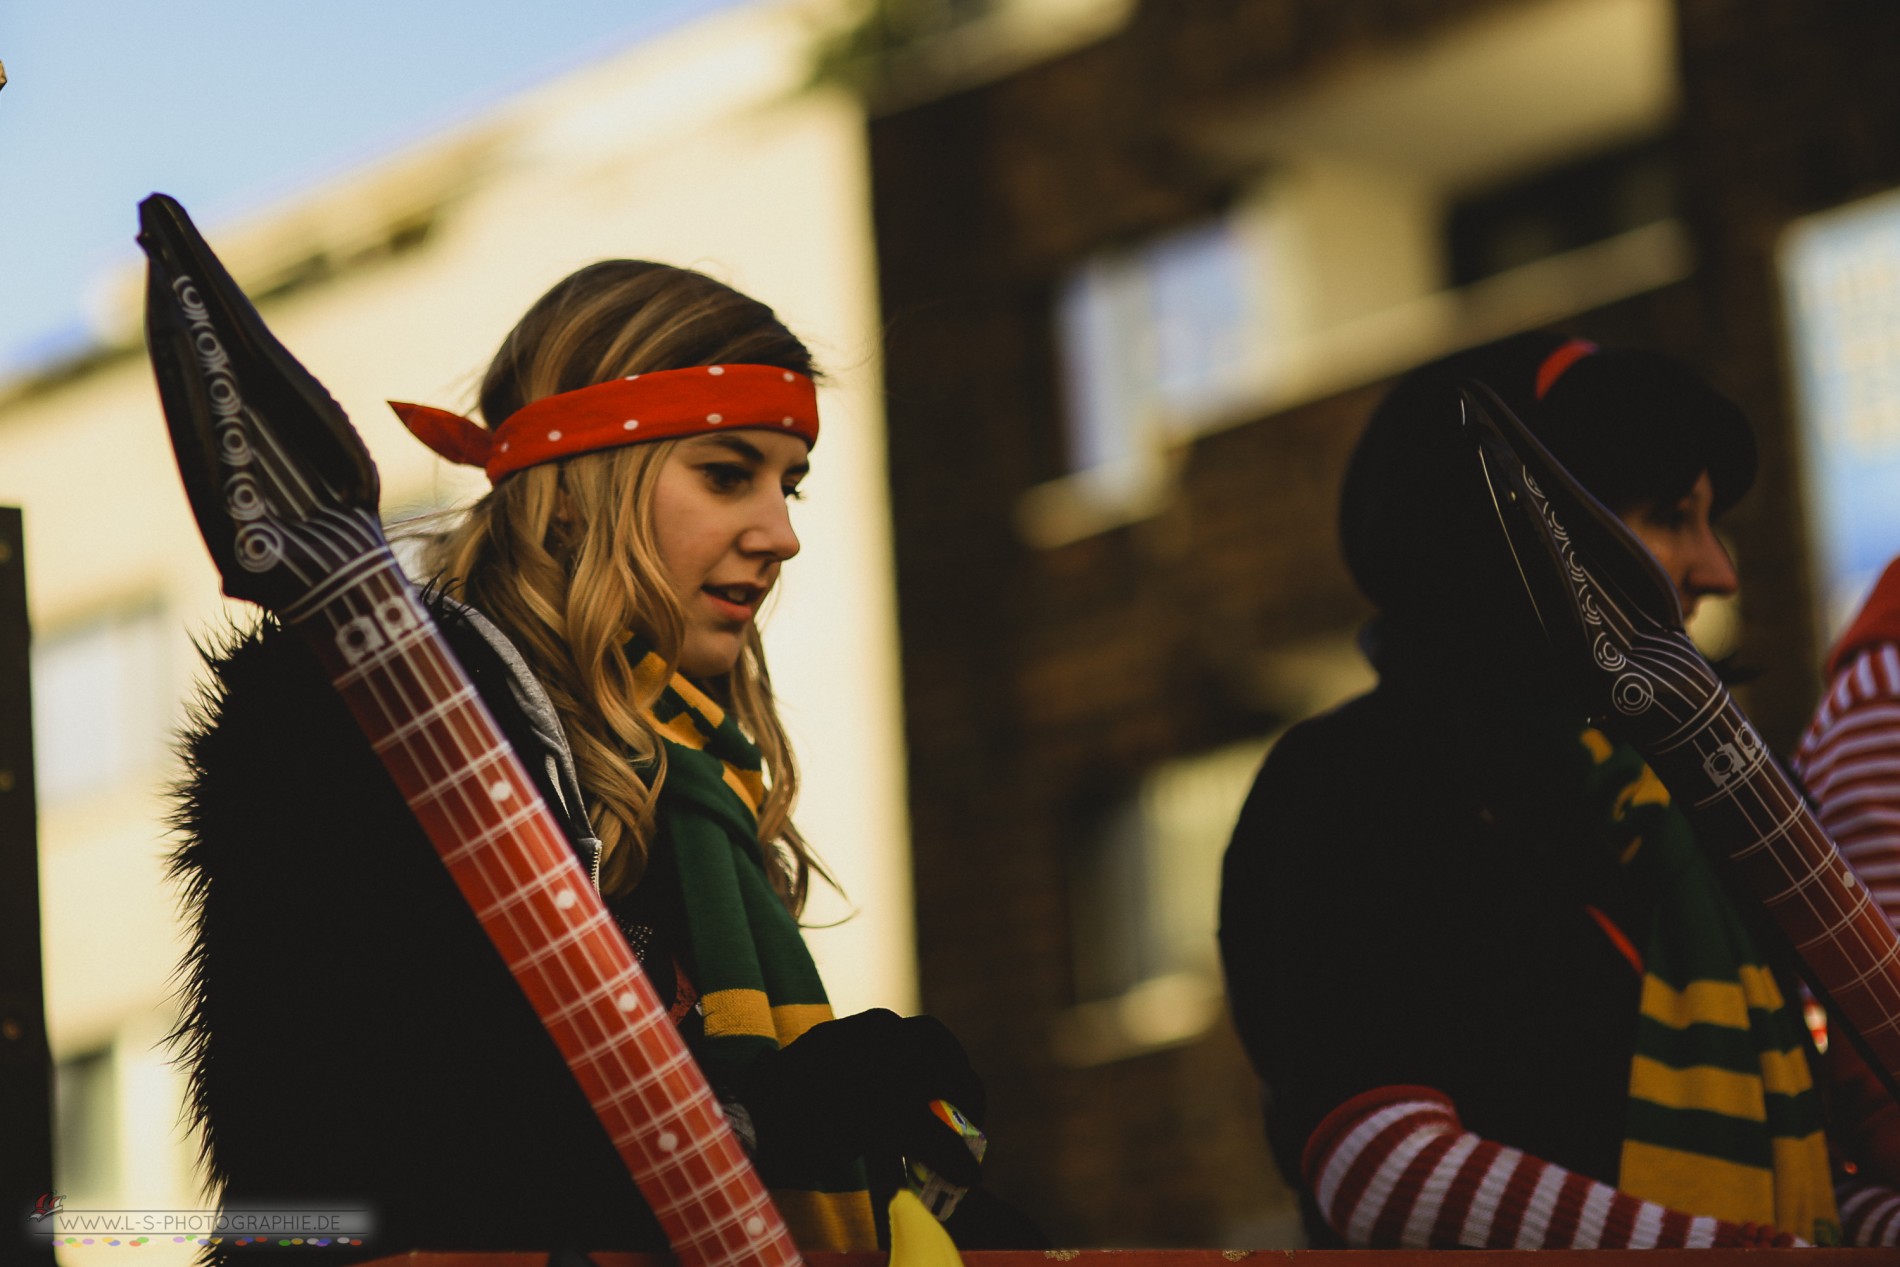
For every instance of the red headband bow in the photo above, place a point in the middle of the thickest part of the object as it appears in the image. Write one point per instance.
(632, 410)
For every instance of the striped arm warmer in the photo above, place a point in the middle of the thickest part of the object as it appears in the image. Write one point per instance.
(1870, 1213)
(1850, 760)
(1393, 1169)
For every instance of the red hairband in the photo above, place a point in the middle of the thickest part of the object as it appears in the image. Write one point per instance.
(1566, 355)
(632, 410)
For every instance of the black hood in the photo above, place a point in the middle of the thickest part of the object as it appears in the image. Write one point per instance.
(1416, 523)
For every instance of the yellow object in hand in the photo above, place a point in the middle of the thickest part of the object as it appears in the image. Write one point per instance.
(917, 1239)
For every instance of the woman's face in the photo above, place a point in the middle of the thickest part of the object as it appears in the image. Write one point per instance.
(1681, 537)
(722, 526)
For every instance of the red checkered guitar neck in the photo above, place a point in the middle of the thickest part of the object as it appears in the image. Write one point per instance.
(286, 497)
(1615, 619)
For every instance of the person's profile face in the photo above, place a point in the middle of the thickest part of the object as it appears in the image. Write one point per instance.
(722, 525)
(1679, 533)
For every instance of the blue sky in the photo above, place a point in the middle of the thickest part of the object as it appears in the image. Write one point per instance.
(227, 104)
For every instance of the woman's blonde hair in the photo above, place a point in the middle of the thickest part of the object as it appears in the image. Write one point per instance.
(562, 556)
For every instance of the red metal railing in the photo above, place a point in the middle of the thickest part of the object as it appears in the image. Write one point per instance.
(1230, 1257)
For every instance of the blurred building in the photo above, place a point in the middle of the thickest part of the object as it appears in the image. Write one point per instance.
(717, 146)
(1140, 268)
(1139, 299)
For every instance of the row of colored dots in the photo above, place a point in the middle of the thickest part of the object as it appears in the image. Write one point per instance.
(213, 1241)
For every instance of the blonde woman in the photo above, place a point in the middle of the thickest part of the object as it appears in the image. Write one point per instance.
(354, 1041)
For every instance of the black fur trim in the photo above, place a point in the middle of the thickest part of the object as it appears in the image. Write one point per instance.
(351, 1037)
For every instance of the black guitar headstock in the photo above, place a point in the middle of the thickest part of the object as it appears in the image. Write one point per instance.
(281, 485)
(1595, 586)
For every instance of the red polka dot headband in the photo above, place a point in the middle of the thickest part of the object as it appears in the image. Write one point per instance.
(660, 405)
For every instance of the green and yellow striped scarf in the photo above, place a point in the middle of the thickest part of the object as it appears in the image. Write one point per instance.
(1723, 1116)
(758, 987)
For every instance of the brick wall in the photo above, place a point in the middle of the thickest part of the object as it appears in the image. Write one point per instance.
(1789, 114)
(1037, 681)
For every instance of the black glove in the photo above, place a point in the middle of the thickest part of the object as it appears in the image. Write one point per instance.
(861, 1087)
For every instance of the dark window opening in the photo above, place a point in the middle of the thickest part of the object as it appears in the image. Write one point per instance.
(1560, 209)
(85, 1114)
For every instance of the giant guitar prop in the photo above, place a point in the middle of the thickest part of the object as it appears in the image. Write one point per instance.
(1614, 619)
(286, 497)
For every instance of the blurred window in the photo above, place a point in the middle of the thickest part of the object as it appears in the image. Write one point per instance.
(85, 1124)
(101, 703)
(1156, 338)
(944, 13)
(1143, 897)
(1500, 172)
(901, 21)
(1561, 209)
(1840, 273)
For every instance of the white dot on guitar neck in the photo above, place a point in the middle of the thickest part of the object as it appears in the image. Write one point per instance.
(565, 899)
(754, 1225)
(668, 1141)
(500, 790)
(626, 1002)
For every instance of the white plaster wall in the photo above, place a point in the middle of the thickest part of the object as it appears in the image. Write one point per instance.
(702, 149)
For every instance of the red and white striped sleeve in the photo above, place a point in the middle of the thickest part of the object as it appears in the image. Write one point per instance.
(1870, 1213)
(1394, 1169)
(1850, 760)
